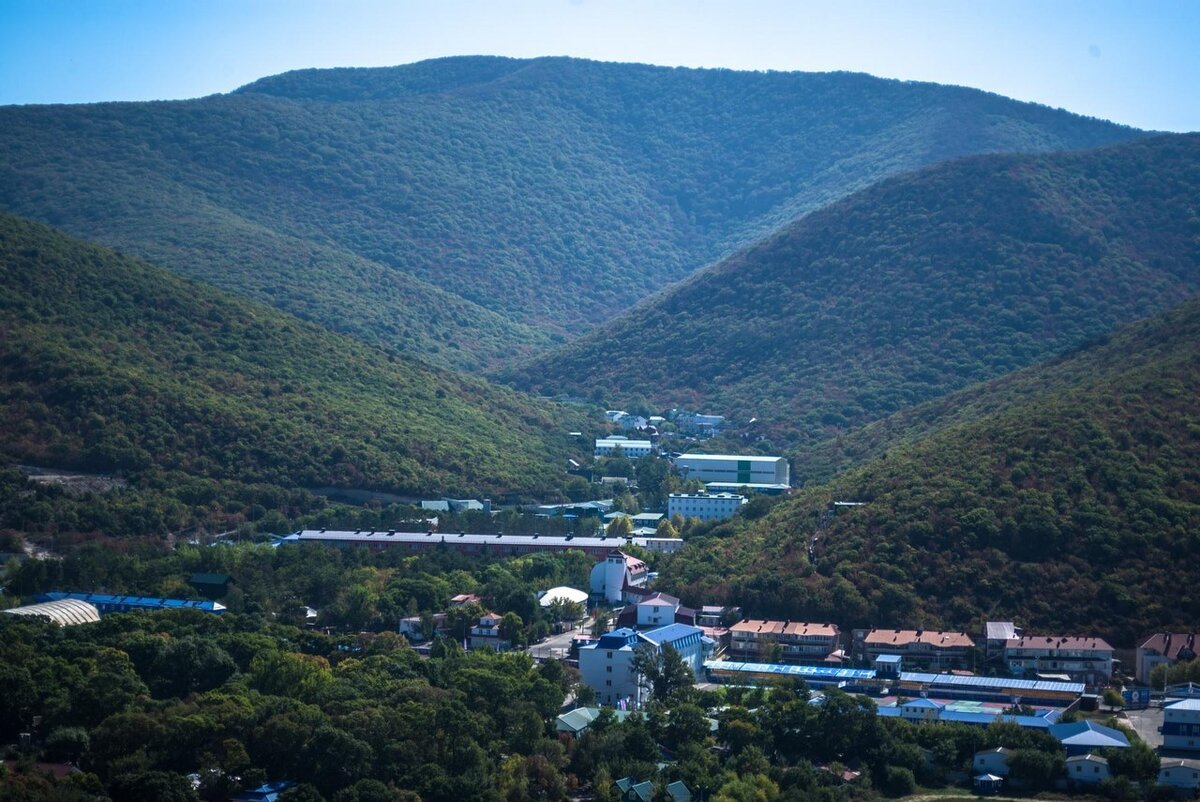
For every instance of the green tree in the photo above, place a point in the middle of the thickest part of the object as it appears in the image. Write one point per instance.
(664, 671)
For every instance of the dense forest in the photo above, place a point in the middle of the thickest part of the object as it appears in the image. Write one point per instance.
(1066, 498)
(141, 701)
(914, 287)
(112, 365)
(472, 210)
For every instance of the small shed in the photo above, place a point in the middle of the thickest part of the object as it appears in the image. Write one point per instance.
(987, 783)
(211, 586)
(1087, 769)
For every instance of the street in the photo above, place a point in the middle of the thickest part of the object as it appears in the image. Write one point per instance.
(558, 646)
(1146, 723)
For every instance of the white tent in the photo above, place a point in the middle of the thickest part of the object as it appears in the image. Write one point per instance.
(565, 594)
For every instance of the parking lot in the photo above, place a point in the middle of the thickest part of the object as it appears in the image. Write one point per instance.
(1146, 723)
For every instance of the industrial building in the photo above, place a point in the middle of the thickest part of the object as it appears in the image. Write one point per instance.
(64, 612)
(630, 449)
(728, 468)
(489, 545)
(1181, 725)
(109, 603)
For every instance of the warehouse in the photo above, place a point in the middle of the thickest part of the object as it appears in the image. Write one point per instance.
(64, 612)
(727, 468)
(490, 545)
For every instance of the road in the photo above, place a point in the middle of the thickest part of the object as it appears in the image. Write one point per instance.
(1146, 723)
(558, 645)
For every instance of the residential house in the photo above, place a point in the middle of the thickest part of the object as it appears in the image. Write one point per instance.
(920, 709)
(576, 722)
(656, 610)
(920, 648)
(1081, 737)
(607, 664)
(1180, 774)
(705, 506)
(1165, 647)
(485, 634)
(996, 635)
(463, 599)
(1181, 724)
(768, 641)
(629, 790)
(1087, 769)
(714, 615)
(264, 793)
(679, 792)
(630, 449)
(992, 761)
(619, 578)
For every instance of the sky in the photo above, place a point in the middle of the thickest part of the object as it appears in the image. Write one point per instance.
(1136, 63)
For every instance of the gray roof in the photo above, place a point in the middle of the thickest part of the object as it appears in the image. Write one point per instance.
(1000, 630)
(64, 612)
(550, 541)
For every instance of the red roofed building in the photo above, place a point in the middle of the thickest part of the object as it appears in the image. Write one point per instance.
(765, 641)
(1165, 647)
(922, 648)
(1086, 660)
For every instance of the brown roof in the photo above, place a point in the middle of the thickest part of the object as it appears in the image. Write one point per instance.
(929, 637)
(1057, 642)
(1170, 644)
(768, 627)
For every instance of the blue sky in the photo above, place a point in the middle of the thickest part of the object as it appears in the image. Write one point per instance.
(1132, 62)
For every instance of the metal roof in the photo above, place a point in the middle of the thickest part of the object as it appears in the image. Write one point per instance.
(733, 457)
(548, 541)
(812, 672)
(675, 633)
(998, 683)
(102, 600)
(64, 612)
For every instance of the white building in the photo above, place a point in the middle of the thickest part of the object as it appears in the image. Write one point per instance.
(1181, 725)
(1087, 769)
(705, 506)
(1087, 660)
(630, 449)
(992, 761)
(1179, 773)
(727, 468)
(616, 578)
(606, 666)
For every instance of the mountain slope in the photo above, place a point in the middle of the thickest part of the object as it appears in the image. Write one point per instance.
(111, 364)
(472, 210)
(911, 288)
(1066, 497)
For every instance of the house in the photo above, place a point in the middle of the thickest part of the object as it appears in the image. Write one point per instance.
(463, 599)
(629, 790)
(1164, 647)
(1081, 737)
(1181, 724)
(1179, 773)
(921, 710)
(727, 468)
(413, 628)
(1086, 660)
(1087, 769)
(619, 577)
(485, 634)
(607, 664)
(714, 616)
(679, 792)
(889, 666)
(770, 641)
(700, 425)
(922, 648)
(705, 506)
(576, 722)
(987, 783)
(992, 761)
(656, 610)
(212, 586)
(263, 793)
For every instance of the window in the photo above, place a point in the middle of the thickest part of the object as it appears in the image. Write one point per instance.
(610, 655)
(608, 682)
(608, 669)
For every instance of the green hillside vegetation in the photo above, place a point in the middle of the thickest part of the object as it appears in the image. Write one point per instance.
(917, 286)
(108, 364)
(1066, 498)
(474, 210)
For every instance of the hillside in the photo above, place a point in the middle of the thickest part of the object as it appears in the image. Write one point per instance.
(1066, 497)
(914, 287)
(474, 210)
(113, 365)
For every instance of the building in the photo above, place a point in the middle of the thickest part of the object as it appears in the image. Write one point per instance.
(1087, 660)
(563, 594)
(1181, 724)
(1081, 737)
(754, 640)
(1164, 647)
(737, 673)
(457, 505)
(1005, 690)
(107, 603)
(700, 425)
(264, 793)
(747, 487)
(1179, 773)
(576, 722)
(619, 578)
(705, 506)
(733, 468)
(923, 648)
(921, 709)
(485, 634)
(992, 761)
(1087, 769)
(499, 545)
(630, 790)
(64, 612)
(656, 610)
(996, 635)
(715, 616)
(607, 665)
(630, 449)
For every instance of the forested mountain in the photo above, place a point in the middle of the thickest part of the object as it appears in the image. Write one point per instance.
(111, 364)
(1066, 497)
(471, 210)
(914, 287)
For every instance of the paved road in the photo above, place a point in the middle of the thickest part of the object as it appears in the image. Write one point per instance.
(1146, 723)
(557, 645)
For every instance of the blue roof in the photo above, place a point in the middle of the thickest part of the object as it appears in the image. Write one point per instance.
(676, 634)
(804, 672)
(140, 602)
(1089, 734)
(264, 793)
(888, 658)
(983, 683)
(1184, 704)
(617, 639)
(923, 704)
